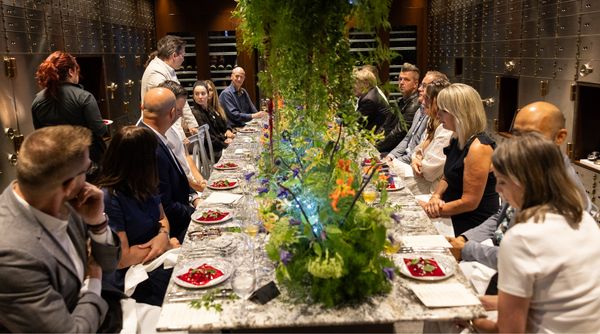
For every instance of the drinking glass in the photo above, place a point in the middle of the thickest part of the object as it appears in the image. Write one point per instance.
(369, 194)
(243, 284)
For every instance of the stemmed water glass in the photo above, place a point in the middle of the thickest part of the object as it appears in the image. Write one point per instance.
(243, 284)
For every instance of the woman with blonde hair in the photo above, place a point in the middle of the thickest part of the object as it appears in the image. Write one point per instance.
(428, 158)
(213, 102)
(544, 287)
(466, 191)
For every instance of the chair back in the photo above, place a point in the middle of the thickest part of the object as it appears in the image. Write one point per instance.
(202, 159)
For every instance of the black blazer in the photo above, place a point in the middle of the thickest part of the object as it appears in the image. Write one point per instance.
(174, 190)
(378, 112)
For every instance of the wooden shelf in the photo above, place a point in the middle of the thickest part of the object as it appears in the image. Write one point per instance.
(587, 165)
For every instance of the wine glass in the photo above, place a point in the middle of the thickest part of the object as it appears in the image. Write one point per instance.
(369, 194)
(243, 284)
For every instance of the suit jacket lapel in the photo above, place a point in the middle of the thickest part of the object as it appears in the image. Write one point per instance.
(167, 151)
(46, 239)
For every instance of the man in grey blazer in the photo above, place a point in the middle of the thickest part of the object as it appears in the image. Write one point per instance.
(50, 271)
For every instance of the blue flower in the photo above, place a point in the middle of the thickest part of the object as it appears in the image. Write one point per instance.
(389, 272)
(266, 135)
(265, 126)
(299, 108)
(295, 172)
(264, 181)
(249, 175)
(295, 222)
(263, 190)
(284, 256)
(396, 217)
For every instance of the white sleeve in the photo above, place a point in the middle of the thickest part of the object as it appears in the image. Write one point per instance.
(517, 264)
(432, 164)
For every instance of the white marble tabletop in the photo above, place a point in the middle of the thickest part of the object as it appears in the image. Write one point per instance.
(400, 305)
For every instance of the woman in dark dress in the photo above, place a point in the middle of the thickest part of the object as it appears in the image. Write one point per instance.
(205, 114)
(129, 180)
(63, 101)
(466, 192)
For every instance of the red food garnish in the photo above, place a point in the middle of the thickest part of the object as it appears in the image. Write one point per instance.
(227, 165)
(423, 267)
(391, 186)
(223, 184)
(201, 275)
(212, 215)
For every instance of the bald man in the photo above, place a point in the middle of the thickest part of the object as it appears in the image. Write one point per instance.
(542, 117)
(159, 113)
(236, 101)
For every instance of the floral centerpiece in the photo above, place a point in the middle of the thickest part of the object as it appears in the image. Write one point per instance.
(326, 241)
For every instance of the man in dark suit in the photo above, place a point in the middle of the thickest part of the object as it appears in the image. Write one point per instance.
(49, 279)
(159, 114)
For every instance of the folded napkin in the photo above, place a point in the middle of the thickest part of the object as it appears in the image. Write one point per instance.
(222, 198)
(403, 168)
(425, 241)
(240, 151)
(138, 273)
(444, 294)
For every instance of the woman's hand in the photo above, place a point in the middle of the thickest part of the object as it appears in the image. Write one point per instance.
(416, 167)
(174, 243)
(228, 141)
(229, 134)
(433, 207)
(158, 245)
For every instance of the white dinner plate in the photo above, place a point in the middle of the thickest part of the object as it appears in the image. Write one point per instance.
(445, 263)
(225, 266)
(247, 130)
(223, 167)
(224, 188)
(196, 216)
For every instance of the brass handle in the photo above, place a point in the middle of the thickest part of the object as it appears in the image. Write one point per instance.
(112, 88)
(10, 133)
(489, 102)
(510, 65)
(129, 84)
(12, 159)
(585, 69)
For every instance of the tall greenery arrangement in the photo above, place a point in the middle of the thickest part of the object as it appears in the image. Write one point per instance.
(326, 241)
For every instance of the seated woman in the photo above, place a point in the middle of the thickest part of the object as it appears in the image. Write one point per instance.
(428, 158)
(549, 260)
(207, 115)
(372, 104)
(213, 102)
(466, 191)
(129, 180)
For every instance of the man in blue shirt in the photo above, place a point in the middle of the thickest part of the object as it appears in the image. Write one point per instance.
(236, 101)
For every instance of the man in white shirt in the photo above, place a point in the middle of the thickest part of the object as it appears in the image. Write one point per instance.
(168, 57)
(56, 242)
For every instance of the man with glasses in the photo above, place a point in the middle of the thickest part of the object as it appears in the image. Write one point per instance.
(56, 243)
(166, 59)
(404, 150)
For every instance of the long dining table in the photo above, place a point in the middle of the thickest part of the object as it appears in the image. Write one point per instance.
(216, 308)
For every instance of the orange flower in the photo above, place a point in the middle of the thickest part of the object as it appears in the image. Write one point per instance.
(342, 189)
(344, 165)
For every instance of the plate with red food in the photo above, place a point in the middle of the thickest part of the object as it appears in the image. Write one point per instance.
(223, 184)
(227, 166)
(202, 273)
(394, 184)
(211, 216)
(425, 267)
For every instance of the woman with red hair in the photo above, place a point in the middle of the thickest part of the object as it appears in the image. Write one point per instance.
(63, 101)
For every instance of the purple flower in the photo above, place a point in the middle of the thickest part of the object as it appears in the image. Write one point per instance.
(266, 135)
(299, 108)
(282, 193)
(284, 256)
(265, 126)
(396, 217)
(295, 222)
(389, 272)
(249, 175)
(262, 190)
(295, 172)
(391, 238)
(264, 181)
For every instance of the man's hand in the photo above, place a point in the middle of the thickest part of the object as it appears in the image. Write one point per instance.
(193, 131)
(458, 244)
(158, 245)
(89, 204)
(259, 114)
(93, 268)
(197, 185)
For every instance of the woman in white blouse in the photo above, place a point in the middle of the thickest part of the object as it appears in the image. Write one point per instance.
(549, 261)
(428, 158)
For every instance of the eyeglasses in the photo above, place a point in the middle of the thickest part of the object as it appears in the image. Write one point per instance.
(91, 169)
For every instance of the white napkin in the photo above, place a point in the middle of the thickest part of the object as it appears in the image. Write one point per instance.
(240, 151)
(442, 225)
(222, 198)
(138, 273)
(444, 294)
(404, 169)
(425, 241)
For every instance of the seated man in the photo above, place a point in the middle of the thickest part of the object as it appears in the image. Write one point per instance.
(49, 282)
(541, 117)
(404, 150)
(374, 107)
(159, 114)
(236, 102)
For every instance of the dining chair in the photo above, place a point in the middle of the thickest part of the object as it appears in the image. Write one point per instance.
(203, 160)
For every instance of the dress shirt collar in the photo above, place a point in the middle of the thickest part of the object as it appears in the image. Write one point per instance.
(52, 224)
(162, 138)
